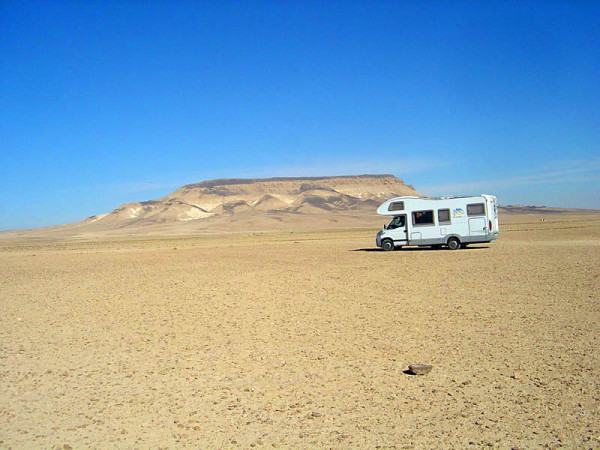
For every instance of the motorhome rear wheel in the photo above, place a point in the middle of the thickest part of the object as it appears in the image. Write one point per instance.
(453, 243)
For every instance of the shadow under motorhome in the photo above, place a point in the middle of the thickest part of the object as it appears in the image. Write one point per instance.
(451, 221)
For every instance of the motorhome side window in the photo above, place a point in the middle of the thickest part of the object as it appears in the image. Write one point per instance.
(476, 209)
(444, 215)
(396, 206)
(422, 217)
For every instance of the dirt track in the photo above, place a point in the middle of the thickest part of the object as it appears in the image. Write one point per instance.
(301, 340)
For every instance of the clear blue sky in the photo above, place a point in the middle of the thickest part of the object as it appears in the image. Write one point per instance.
(108, 102)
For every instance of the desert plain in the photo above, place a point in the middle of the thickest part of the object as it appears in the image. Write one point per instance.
(302, 339)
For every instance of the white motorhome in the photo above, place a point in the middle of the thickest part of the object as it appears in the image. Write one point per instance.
(450, 221)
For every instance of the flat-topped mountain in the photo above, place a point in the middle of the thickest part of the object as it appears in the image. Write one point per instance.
(250, 197)
(226, 205)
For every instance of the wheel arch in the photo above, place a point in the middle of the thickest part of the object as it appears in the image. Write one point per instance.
(450, 236)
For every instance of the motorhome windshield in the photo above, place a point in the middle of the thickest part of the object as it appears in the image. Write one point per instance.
(397, 222)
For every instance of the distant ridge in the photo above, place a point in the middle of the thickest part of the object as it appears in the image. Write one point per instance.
(249, 205)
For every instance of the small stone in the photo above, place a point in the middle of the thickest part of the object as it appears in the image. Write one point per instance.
(419, 369)
(67, 447)
(316, 414)
(516, 376)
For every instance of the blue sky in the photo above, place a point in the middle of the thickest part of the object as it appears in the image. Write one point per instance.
(103, 103)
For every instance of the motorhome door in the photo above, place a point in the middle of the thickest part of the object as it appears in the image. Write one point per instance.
(477, 226)
(397, 230)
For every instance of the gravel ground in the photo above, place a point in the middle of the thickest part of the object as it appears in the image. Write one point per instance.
(303, 340)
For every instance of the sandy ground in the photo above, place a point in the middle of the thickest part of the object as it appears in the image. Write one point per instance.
(302, 340)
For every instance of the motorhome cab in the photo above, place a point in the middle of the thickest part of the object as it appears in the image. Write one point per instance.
(450, 221)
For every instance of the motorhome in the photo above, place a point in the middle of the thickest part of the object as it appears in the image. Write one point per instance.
(454, 222)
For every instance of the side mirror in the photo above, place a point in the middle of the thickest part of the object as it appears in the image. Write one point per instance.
(385, 226)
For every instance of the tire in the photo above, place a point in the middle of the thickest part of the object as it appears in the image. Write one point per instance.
(387, 245)
(453, 243)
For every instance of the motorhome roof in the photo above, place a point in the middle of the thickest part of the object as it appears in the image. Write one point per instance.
(446, 197)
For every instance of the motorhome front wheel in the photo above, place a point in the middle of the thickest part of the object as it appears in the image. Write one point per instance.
(387, 245)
